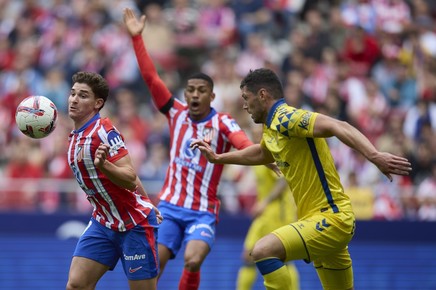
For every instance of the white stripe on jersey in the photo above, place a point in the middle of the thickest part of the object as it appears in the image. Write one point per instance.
(97, 183)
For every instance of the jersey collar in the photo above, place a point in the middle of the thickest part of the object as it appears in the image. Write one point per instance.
(207, 118)
(96, 116)
(273, 110)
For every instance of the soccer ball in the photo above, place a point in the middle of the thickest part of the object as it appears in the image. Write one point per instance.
(36, 116)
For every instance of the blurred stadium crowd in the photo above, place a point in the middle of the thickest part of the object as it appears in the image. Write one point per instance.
(369, 62)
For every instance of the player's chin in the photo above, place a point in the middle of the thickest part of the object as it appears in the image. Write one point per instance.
(73, 114)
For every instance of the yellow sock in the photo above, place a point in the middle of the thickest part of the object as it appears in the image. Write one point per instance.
(295, 277)
(246, 277)
(278, 279)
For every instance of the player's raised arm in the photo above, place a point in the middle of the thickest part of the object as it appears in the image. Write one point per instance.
(160, 93)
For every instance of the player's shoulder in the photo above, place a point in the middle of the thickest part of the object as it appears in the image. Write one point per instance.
(178, 104)
(109, 127)
(285, 109)
(226, 120)
(224, 115)
(287, 113)
(106, 122)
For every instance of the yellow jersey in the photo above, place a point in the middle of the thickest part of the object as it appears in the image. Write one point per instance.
(306, 162)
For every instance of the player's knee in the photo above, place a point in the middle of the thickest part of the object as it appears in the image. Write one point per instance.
(247, 258)
(76, 283)
(192, 264)
(268, 246)
(261, 250)
(72, 285)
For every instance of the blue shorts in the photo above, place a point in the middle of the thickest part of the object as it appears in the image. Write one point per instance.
(137, 249)
(181, 225)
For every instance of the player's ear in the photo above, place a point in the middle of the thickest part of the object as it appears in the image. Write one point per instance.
(262, 94)
(99, 103)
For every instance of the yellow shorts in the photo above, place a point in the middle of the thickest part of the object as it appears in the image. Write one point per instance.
(322, 239)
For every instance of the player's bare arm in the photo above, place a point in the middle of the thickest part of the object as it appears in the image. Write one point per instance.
(251, 155)
(387, 163)
(121, 172)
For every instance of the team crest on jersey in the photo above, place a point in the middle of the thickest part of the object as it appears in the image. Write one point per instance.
(207, 133)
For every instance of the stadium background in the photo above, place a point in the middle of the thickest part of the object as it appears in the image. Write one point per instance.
(370, 62)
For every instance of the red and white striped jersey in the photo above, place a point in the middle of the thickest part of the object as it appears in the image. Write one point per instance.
(114, 207)
(191, 181)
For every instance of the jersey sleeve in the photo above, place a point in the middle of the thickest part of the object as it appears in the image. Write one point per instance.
(112, 137)
(295, 122)
(161, 96)
(240, 140)
(234, 133)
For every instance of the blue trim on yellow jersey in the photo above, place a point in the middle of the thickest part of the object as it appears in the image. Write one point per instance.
(269, 119)
(321, 174)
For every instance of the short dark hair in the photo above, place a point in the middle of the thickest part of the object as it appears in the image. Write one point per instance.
(263, 78)
(202, 76)
(95, 81)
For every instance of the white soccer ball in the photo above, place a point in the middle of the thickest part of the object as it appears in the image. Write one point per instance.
(36, 116)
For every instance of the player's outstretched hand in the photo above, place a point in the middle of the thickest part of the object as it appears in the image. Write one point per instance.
(390, 164)
(133, 25)
(205, 149)
(101, 155)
